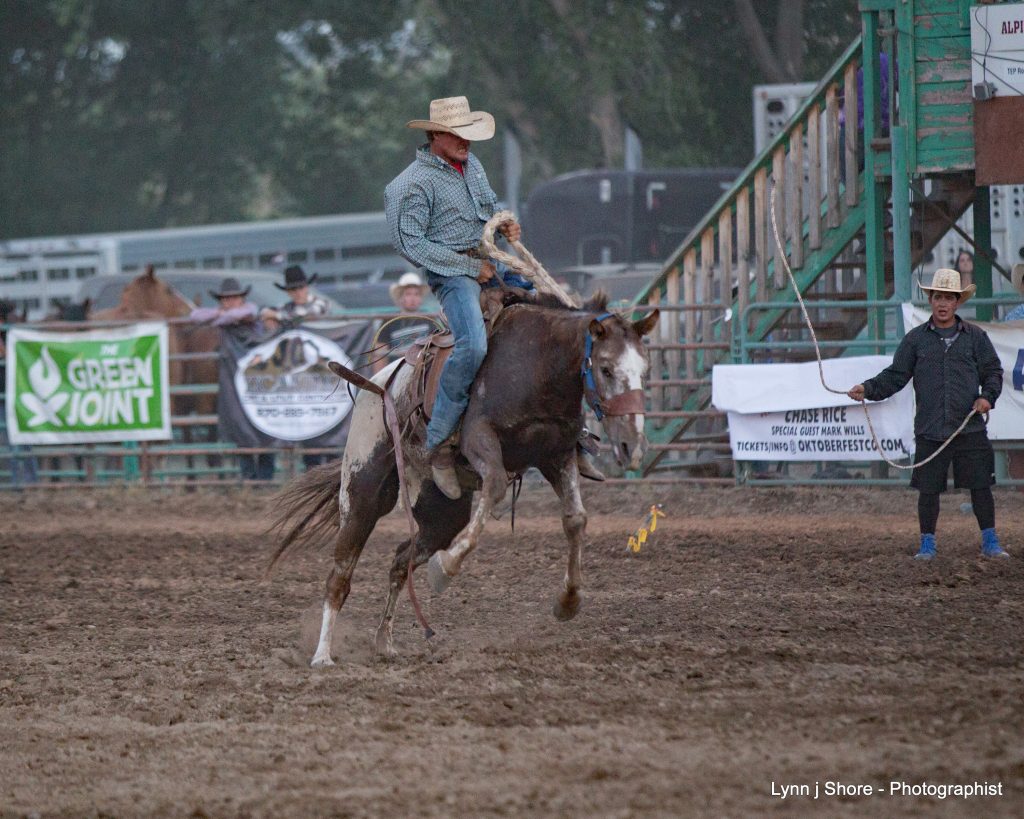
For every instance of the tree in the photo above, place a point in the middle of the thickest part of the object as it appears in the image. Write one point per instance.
(142, 113)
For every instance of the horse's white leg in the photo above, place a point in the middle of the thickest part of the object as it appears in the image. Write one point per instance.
(339, 584)
(322, 658)
(484, 453)
(369, 489)
(574, 523)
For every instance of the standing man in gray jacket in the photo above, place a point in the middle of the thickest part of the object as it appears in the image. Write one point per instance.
(955, 369)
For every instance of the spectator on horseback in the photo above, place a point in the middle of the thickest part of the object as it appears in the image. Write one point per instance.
(955, 369)
(303, 303)
(436, 211)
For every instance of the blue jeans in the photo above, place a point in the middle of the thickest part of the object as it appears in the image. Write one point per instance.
(460, 300)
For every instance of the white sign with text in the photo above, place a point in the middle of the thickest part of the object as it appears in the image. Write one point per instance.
(781, 412)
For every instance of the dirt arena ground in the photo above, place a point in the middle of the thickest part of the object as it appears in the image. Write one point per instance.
(764, 636)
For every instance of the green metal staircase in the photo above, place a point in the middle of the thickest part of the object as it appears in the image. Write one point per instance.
(854, 218)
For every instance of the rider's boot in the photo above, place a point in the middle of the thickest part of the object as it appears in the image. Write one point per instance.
(586, 447)
(442, 470)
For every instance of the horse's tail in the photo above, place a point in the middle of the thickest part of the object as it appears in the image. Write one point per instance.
(307, 511)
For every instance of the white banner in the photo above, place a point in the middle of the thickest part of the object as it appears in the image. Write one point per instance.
(781, 412)
(1006, 421)
(286, 389)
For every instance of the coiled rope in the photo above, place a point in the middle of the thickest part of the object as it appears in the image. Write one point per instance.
(821, 368)
(525, 264)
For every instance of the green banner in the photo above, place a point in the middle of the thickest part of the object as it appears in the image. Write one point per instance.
(93, 386)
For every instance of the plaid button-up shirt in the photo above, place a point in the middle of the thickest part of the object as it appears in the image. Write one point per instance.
(433, 212)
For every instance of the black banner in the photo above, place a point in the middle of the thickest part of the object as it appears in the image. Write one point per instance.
(277, 390)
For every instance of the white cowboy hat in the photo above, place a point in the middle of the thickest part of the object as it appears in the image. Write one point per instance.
(945, 280)
(1017, 277)
(452, 115)
(409, 279)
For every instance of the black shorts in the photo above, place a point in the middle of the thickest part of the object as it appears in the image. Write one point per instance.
(974, 464)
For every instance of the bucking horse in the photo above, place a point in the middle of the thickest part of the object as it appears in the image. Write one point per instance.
(524, 411)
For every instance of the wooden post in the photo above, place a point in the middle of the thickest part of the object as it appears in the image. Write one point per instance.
(832, 215)
(796, 196)
(690, 297)
(707, 268)
(813, 179)
(851, 132)
(760, 233)
(674, 396)
(779, 243)
(742, 254)
(725, 268)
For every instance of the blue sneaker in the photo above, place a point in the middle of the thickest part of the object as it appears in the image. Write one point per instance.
(990, 544)
(927, 551)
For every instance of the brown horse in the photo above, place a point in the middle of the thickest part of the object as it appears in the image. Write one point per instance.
(148, 297)
(524, 411)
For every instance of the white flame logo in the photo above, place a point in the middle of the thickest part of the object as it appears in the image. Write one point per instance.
(44, 378)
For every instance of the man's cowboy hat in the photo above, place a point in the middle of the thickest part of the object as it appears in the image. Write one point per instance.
(409, 279)
(1017, 278)
(230, 287)
(945, 280)
(452, 115)
(294, 278)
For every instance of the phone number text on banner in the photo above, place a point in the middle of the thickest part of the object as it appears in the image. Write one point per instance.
(88, 387)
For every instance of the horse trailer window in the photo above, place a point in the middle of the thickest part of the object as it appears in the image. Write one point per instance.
(185, 264)
(298, 256)
(241, 262)
(58, 274)
(28, 276)
(215, 262)
(84, 272)
(323, 254)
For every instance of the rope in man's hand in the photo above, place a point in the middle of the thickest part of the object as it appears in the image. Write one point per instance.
(851, 392)
(527, 265)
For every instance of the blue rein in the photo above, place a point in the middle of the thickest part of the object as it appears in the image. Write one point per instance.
(587, 371)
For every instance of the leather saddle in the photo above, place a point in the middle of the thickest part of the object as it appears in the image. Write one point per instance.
(427, 357)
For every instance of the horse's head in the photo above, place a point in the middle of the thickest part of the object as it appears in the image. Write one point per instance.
(620, 364)
(149, 295)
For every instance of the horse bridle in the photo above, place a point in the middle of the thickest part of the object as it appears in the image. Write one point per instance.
(630, 402)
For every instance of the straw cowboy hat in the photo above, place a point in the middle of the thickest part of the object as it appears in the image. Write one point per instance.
(294, 278)
(452, 116)
(230, 287)
(409, 279)
(1017, 278)
(945, 280)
